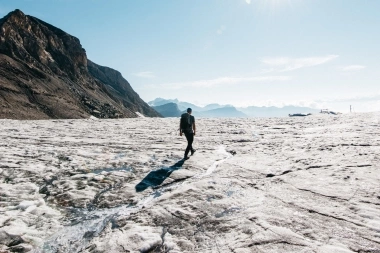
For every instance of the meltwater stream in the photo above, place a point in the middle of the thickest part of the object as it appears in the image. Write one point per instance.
(76, 236)
(88, 224)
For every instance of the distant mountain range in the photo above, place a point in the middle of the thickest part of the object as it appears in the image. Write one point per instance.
(174, 108)
(168, 110)
(181, 105)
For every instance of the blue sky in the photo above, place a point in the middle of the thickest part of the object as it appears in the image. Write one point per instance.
(323, 54)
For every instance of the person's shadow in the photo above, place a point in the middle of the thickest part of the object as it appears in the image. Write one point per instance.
(156, 177)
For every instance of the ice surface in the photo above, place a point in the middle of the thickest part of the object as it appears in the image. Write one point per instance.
(307, 184)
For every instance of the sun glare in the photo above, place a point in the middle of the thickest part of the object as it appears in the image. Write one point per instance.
(272, 5)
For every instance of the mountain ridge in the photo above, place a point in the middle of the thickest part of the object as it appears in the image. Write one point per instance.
(217, 110)
(45, 73)
(168, 110)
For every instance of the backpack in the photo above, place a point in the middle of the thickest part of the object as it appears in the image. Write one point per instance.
(185, 121)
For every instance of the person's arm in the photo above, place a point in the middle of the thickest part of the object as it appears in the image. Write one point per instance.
(194, 128)
(180, 130)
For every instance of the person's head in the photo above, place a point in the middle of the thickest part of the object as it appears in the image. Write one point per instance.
(189, 110)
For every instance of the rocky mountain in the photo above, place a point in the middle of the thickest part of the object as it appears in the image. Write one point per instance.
(45, 73)
(168, 110)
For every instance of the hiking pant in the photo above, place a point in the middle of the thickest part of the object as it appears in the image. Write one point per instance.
(190, 139)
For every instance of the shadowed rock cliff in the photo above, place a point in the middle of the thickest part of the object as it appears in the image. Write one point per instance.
(45, 73)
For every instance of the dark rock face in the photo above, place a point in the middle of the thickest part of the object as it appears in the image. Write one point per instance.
(45, 73)
(121, 89)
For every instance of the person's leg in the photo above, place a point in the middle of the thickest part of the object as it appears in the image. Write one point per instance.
(190, 139)
(191, 148)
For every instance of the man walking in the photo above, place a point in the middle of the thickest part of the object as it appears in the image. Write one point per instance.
(187, 126)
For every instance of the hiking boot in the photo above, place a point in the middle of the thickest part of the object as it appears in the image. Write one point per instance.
(193, 151)
(186, 158)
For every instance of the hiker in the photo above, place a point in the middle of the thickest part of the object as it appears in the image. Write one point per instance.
(187, 126)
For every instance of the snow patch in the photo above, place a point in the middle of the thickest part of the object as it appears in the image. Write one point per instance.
(140, 115)
(221, 150)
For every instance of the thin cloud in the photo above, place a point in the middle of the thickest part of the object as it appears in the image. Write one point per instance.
(352, 68)
(277, 103)
(221, 29)
(224, 81)
(266, 71)
(375, 97)
(145, 74)
(248, 1)
(283, 64)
